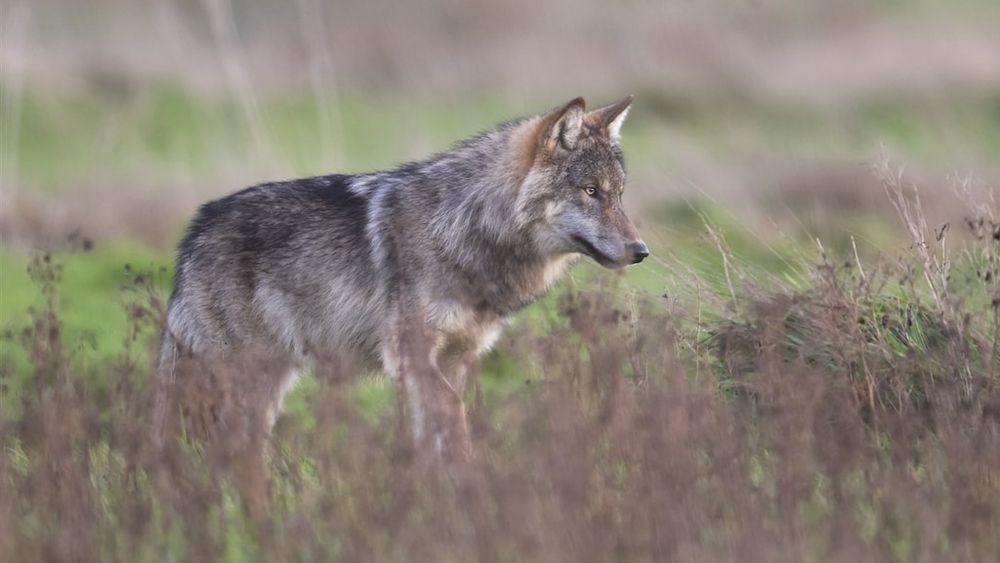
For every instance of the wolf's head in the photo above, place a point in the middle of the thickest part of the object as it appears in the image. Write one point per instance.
(573, 187)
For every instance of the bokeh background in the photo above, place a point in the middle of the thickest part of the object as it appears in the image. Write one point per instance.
(120, 117)
(759, 145)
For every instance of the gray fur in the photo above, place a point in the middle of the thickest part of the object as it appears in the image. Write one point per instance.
(415, 270)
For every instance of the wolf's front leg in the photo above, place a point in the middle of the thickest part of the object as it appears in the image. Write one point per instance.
(432, 387)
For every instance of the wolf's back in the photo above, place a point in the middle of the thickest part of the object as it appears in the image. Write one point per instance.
(285, 264)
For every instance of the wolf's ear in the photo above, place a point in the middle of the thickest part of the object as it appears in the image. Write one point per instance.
(561, 127)
(610, 118)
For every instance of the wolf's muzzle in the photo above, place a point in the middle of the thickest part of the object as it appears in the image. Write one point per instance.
(638, 250)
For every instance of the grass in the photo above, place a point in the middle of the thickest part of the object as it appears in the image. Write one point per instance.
(824, 389)
(92, 289)
(165, 135)
(847, 414)
(911, 126)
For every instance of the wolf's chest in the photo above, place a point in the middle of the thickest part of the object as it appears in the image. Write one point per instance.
(552, 271)
(512, 291)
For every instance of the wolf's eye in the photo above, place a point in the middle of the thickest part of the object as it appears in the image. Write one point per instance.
(590, 190)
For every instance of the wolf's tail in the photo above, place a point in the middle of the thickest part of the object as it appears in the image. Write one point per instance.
(164, 385)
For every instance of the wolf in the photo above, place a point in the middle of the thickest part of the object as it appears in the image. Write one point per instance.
(415, 270)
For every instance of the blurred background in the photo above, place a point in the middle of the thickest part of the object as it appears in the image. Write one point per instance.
(120, 117)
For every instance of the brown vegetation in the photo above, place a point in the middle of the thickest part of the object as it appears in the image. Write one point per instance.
(845, 422)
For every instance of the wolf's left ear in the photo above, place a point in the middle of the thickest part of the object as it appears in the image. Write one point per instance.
(610, 118)
(561, 127)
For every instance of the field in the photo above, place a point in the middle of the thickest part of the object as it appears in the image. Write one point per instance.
(807, 368)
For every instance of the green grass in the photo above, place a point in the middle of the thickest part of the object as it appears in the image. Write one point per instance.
(935, 132)
(93, 289)
(163, 135)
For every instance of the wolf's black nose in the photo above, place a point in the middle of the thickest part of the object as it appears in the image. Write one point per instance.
(639, 251)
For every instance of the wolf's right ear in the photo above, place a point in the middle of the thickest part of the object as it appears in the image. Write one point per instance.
(610, 118)
(561, 127)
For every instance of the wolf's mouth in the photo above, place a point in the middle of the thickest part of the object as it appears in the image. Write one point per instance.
(590, 250)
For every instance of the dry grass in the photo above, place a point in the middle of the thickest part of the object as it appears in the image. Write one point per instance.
(858, 419)
(853, 415)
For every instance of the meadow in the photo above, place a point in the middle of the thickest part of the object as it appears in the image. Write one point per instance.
(805, 369)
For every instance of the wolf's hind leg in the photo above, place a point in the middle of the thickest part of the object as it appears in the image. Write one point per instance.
(285, 384)
(250, 386)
